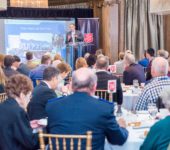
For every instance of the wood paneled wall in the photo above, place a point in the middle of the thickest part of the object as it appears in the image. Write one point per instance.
(167, 32)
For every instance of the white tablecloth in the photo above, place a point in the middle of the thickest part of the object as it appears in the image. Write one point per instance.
(133, 142)
(129, 100)
(136, 136)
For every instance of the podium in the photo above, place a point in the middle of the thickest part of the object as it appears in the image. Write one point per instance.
(72, 51)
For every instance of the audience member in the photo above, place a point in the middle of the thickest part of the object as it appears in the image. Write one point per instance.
(99, 52)
(81, 112)
(15, 130)
(2, 60)
(37, 73)
(103, 76)
(2, 81)
(42, 93)
(80, 63)
(57, 59)
(120, 64)
(150, 56)
(144, 62)
(30, 63)
(128, 52)
(8, 61)
(20, 67)
(159, 134)
(64, 70)
(86, 55)
(91, 61)
(169, 67)
(132, 70)
(160, 81)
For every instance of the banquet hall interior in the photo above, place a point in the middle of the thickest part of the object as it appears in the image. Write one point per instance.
(84, 74)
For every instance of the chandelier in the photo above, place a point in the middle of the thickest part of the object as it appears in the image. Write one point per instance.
(29, 3)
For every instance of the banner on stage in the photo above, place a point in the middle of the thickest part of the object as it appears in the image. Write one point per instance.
(90, 29)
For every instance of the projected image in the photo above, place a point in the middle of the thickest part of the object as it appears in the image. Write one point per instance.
(37, 36)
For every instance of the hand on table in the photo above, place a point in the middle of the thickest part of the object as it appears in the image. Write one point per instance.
(122, 123)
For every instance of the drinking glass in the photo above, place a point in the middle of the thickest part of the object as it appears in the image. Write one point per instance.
(135, 83)
(152, 109)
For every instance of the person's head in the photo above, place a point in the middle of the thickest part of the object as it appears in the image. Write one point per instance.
(2, 77)
(19, 87)
(46, 60)
(99, 52)
(161, 53)
(121, 55)
(102, 62)
(165, 96)
(64, 69)
(2, 60)
(50, 75)
(8, 60)
(57, 57)
(129, 59)
(159, 67)
(91, 60)
(150, 53)
(84, 80)
(16, 62)
(72, 27)
(128, 52)
(29, 55)
(86, 55)
(80, 63)
(166, 54)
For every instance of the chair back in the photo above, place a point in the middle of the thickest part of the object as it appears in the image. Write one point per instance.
(3, 97)
(38, 81)
(57, 138)
(104, 95)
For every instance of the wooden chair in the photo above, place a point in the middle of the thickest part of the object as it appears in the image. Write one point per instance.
(3, 97)
(38, 81)
(62, 138)
(104, 95)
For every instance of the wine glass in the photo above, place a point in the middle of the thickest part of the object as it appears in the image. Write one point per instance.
(152, 109)
(135, 83)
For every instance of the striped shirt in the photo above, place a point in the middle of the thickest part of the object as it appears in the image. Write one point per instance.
(152, 91)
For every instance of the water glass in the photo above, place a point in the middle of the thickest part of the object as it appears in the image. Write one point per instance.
(152, 109)
(135, 83)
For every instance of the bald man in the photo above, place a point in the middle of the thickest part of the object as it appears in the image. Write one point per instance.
(81, 112)
(160, 81)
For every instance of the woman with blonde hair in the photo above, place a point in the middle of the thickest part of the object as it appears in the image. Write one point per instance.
(2, 60)
(80, 63)
(2, 81)
(57, 59)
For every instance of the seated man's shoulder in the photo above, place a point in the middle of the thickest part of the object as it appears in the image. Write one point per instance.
(55, 100)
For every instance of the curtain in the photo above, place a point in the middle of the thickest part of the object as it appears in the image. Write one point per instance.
(142, 29)
(46, 12)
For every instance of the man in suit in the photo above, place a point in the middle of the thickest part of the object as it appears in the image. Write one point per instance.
(82, 112)
(42, 93)
(74, 35)
(103, 76)
(37, 73)
(8, 70)
(20, 67)
(132, 71)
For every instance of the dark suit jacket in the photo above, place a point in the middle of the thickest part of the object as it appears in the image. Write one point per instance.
(23, 69)
(79, 38)
(79, 113)
(41, 94)
(15, 130)
(134, 71)
(8, 71)
(102, 82)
